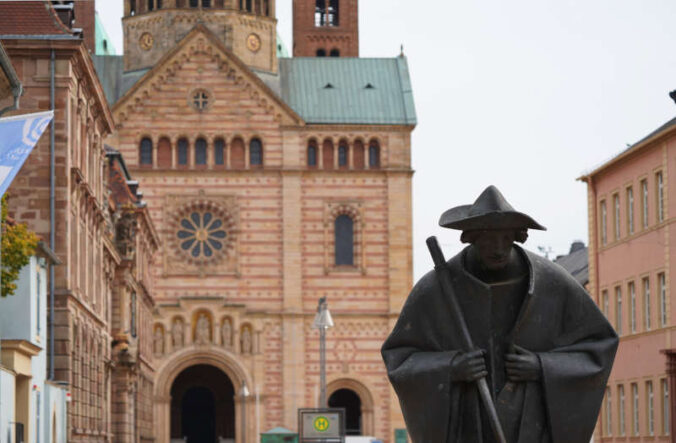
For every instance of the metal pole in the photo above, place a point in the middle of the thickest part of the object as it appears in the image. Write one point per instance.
(322, 367)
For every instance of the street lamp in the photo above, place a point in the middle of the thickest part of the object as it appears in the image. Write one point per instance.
(323, 321)
(245, 394)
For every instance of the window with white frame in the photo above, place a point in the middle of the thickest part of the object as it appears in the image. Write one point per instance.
(616, 207)
(618, 310)
(604, 223)
(665, 406)
(646, 303)
(634, 410)
(662, 282)
(650, 409)
(620, 421)
(644, 203)
(632, 308)
(609, 413)
(630, 210)
(659, 183)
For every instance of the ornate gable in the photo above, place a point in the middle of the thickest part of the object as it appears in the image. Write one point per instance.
(192, 62)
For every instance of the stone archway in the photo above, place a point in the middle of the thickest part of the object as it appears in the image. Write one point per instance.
(365, 400)
(187, 358)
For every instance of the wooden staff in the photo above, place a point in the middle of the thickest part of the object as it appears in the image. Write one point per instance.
(444, 276)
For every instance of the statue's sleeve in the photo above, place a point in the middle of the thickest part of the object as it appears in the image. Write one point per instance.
(576, 370)
(418, 366)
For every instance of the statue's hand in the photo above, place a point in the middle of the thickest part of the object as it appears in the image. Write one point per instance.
(469, 366)
(522, 365)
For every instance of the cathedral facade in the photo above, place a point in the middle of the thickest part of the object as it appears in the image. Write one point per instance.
(271, 182)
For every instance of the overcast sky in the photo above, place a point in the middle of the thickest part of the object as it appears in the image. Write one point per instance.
(526, 95)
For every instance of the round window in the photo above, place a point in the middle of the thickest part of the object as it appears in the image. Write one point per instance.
(201, 234)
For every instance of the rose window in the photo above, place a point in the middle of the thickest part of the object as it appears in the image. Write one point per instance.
(202, 234)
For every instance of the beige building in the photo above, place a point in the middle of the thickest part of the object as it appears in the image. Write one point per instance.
(272, 182)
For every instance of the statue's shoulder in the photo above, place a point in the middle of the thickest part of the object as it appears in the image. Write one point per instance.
(548, 272)
(429, 283)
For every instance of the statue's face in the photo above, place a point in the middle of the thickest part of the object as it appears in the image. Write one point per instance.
(494, 248)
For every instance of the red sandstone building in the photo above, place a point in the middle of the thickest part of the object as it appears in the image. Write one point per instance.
(102, 231)
(631, 242)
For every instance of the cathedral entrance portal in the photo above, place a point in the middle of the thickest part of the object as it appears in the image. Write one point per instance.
(203, 406)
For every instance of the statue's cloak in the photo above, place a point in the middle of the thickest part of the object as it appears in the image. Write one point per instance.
(558, 321)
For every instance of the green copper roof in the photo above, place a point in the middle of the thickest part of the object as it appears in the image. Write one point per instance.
(282, 50)
(104, 46)
(327, 90)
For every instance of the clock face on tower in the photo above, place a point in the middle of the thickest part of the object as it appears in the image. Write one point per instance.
(253, 43)
(146, 41)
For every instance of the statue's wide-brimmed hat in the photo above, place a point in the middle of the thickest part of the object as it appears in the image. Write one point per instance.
(489, 211)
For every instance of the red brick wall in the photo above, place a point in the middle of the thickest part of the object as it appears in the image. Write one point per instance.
(307, 38)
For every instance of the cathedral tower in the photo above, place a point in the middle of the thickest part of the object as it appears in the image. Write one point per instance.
(324, 28)
(246, 27)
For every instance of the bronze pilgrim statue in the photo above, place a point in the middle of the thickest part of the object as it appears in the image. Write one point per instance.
(498, 344)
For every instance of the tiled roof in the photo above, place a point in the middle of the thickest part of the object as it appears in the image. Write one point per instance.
(30, 18)
(576, 263)
(328, 90)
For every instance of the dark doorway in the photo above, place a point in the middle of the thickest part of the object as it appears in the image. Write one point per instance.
(202, 405)
(348, 399)
(198, 414)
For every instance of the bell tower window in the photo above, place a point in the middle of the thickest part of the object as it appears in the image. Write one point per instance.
(335, 53)
(321, 52)
(151, 5)
(194, 3)
(327, 13)
(206, 3)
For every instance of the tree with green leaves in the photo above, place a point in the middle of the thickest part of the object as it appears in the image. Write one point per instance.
(18, 245)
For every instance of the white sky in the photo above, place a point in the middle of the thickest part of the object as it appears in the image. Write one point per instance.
(526, 95)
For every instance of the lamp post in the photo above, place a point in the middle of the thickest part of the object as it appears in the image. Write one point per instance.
(323, 321)
(245, 394)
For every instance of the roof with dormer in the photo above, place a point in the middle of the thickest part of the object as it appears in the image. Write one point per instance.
(322, 90)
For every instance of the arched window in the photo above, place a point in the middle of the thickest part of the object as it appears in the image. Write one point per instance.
(132, 7)
(164, 153)
(146, 152)
(321, 53)
(255, 153)
(344, 240)
(327, 154)
(194, 3)
(183, 152)
(312, 154)
(237, 154)
(219, 150)
(132, 315)
(159, 4)
(151, 5)
(335, 53)
(342, 154)
(206, 3)
(374, 155)
(249, 5)
(200, 152)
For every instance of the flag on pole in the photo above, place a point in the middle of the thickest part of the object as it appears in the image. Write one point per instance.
(18, 136)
